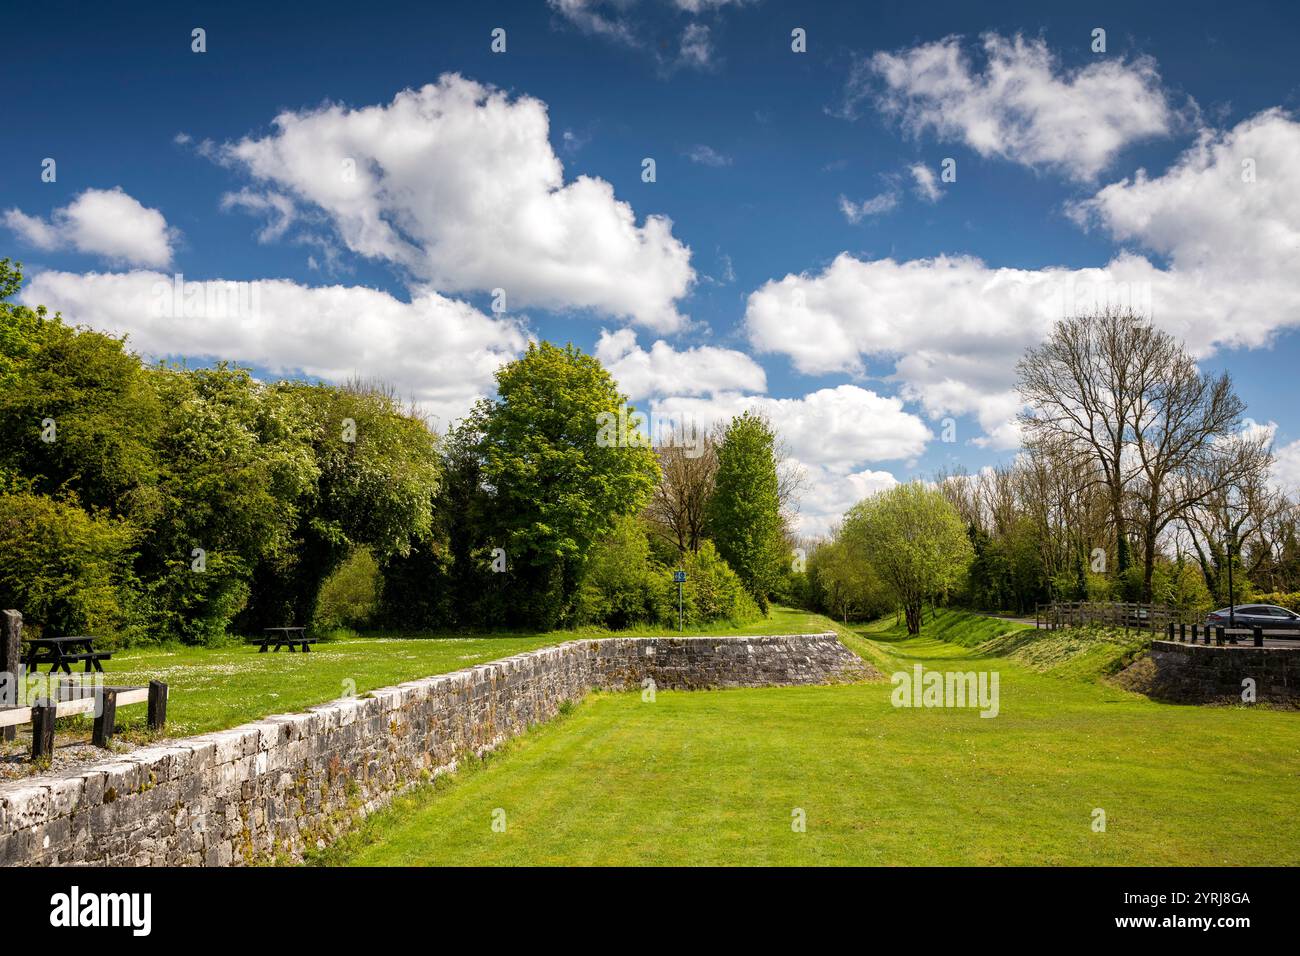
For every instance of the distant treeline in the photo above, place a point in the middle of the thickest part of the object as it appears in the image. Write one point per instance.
(156, 502)
(1140, 479)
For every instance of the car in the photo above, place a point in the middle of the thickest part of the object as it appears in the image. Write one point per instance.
(1268, 616)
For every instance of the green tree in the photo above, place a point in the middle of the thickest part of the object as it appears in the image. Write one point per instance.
(844, 582)
(744, 514)
(560, 464)
(64, 568)
(234, 464)
(916, 542)
(76, 408)
(378, 472)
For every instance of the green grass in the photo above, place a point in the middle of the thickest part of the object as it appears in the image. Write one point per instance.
(713, 777)
(214, 688)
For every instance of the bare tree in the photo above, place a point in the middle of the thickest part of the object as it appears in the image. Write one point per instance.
(1081, 386)
(677, 509)
(1184, 422)
(1246, 511)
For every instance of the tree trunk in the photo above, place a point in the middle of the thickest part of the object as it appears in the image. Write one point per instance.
(1122, 557)
(913, 615)
(1148, 566)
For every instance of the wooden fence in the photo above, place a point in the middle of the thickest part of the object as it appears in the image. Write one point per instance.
(1129, 616)
(70, 697)
(102, 702)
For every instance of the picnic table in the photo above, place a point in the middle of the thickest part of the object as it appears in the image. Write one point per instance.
(62, 652)
(290, 637)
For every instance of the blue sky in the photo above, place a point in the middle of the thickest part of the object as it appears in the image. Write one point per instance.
(799, 273)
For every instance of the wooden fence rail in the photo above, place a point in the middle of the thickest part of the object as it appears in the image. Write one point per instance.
(1128, 615)
(73, 698)
(102, 702)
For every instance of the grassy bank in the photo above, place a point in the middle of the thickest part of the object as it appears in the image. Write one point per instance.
(1078, 653)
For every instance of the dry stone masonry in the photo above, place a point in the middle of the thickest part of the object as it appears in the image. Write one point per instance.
(1196, 673)
(278, 786)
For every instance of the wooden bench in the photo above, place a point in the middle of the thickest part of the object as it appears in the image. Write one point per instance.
(290, 637)
(91, 658)
(61, 652)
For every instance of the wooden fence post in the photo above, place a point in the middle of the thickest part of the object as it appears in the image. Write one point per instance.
(157, 705)
(103, 730)
(43, 714)
(11, 642)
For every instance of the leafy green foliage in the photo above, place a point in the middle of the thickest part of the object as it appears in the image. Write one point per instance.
(349, 596)
(621, 585)
(1006, 572)
(76, 409)
(67, 568)
(744, 512)
(915, 541)
(377, 470)
(553, 488)
(843, 582)
(232, 468)
(713, 592)
(1181, 585)
(178, 495)
(1287, 599)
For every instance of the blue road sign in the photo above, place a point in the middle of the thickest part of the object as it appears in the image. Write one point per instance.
(679, 577)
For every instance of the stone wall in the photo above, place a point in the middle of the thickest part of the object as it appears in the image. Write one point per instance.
(1197, 673)
(277, 786)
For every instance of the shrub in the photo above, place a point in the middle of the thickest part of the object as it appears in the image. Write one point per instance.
(1181, 585)
(349, 596)
(65, 569)
(1289, 600)
(621, 586)
(713, 592)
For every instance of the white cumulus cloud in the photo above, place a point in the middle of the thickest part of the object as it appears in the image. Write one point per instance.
(101, 222)
(839, 428)
(436, 351)
(664, 370)
(954, 326)
(1023, 106)
(457, 183)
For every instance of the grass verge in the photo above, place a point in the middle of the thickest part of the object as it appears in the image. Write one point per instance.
(212, 688)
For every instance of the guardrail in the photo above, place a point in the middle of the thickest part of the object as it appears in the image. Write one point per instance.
(1222, 635)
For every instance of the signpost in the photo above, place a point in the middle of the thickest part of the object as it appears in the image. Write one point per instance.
(679, 577)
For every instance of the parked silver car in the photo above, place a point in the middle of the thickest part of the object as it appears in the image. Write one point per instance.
(1268, 616)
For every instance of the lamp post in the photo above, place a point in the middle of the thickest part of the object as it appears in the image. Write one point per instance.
(1232, 597)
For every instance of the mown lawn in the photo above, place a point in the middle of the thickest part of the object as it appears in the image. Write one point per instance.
(215, 688)
(716, 777)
